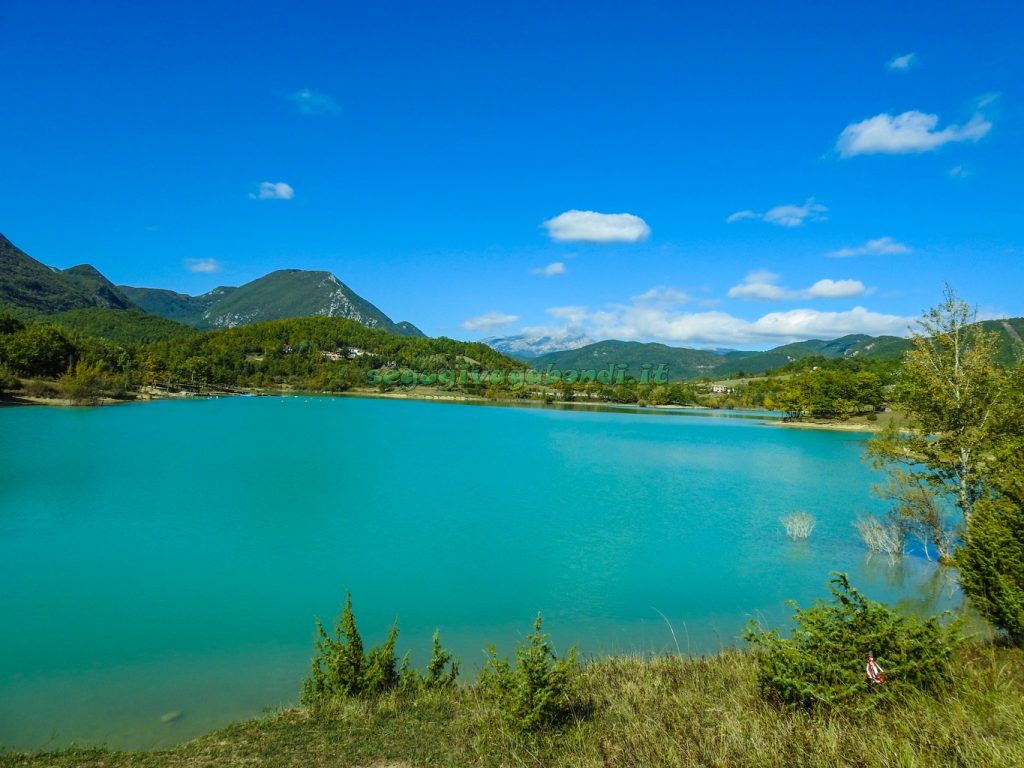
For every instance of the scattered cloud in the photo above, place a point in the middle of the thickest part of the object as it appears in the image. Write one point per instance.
(879, 247)
(273, 190)
(593, 227)
(906, 133)
(764, 286)
(741, 215)
(958, 172)
(664, 295)
(784, 215)
(202, 265)
(835, 289)
(490, 322)
(552, 269)
(902, 63)
(313, 102)
(643, 322)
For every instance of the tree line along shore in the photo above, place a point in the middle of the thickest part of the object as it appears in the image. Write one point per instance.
(89, 356)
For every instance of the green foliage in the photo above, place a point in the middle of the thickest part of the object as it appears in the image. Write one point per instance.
(991, 562)
(125, 327)
(9, 323)
(380, 671)
(443, 669)
(337, 668)
(822, 663)
(37, 350)
(828, 393)
(341, 669)
(83, 383)
(8, 380)
(538, 692)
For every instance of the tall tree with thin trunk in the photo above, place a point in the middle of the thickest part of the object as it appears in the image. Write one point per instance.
(950, 389)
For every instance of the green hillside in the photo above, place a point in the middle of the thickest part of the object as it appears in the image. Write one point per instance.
(854, 345)
(689, 364)
(125, 327)
(682, 363)
(1011, 339)
(286, 293)
(174, 306)
(28, 284)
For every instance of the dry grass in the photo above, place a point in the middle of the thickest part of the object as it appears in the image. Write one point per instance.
(665, 711)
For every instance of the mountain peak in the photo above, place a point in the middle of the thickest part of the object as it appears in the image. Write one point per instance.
(280, 294)
(25, 282)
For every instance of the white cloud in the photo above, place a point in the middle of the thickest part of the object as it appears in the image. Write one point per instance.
(763, 286)
(878, 247)
(905, 133)
(490, 322)
(552, 269)
(958, 172)
(759, 285)
(202, 265)
(273, 190)
(662, 294)
(835, 289)
(313, 102)
(741, 215)
(643, 322)
(902, 63)
(784, 215)
(593, 227)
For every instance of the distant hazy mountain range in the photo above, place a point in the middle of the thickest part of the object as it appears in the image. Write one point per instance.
(525, 347)
(29, 284)
(684, 363)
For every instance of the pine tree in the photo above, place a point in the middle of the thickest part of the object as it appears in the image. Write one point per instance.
(380, 672)
(437, 677)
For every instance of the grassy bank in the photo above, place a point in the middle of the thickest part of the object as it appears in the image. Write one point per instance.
(665, 711)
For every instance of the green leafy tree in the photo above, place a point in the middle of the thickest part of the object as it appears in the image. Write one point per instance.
(8, 380)
(950, 389)
(536, 693)
(83, 383)
(821, 665)
(37, 350)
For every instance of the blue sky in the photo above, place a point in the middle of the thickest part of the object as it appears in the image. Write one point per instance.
(737, 175)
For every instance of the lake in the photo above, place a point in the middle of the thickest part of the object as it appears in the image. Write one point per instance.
(165, 561)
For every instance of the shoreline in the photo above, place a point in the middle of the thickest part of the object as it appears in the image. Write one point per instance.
(11, 400)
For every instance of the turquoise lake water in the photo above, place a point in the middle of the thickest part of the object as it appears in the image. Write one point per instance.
(170, 557)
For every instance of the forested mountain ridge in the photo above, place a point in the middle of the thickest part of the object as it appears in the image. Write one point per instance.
(283, 294)
(29, 288)
(31, 285)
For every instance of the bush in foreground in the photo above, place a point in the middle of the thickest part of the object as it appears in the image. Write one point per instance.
(341, 669)
(822, 663)
(538, 692)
